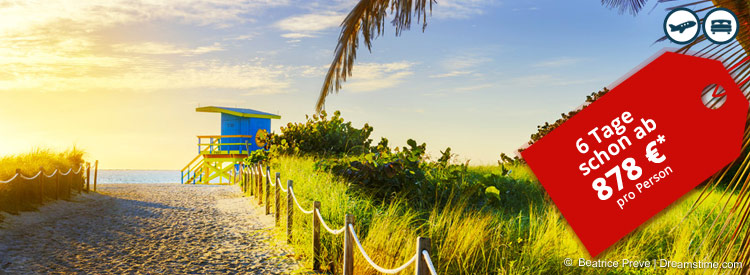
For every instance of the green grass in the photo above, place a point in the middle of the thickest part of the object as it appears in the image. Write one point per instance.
(531, 239)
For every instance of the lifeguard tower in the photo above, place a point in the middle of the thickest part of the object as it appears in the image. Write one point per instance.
(219, 155)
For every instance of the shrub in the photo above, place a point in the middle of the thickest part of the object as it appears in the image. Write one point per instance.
(382, 173)
(257, 156)
(543, 130)
(322, 136)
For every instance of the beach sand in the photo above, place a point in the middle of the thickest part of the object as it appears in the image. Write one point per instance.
(145, 228)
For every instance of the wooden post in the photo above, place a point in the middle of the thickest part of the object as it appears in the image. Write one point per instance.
(277, 197)
(245, 178)
(289, 211)
(255, 180)
(268, 186)
(17, 192)
(242, 178)
(260, 184)
(421, 266)
(96, 173)
(316, 237)
(249, 179)
(80, 183)
(88, 176)
(348, 246)
(251, 171)
(240, 175)
(68, 183)
(57, 185)
(40, 181)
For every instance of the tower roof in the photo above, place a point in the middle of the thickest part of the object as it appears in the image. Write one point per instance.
(240, 112)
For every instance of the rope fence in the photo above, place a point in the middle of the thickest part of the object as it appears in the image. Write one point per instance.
(257, 182)
(323, 222)
(21, 192)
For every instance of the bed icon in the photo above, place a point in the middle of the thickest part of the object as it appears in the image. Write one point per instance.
(721, 25)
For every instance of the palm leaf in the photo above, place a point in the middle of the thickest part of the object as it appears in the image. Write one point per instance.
(368, 19)
(731, 221)
(631, 6)
(732, 216)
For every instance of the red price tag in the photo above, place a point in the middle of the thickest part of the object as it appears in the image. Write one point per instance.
(639, 148)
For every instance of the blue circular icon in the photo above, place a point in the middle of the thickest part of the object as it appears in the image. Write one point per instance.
(720, 25)
(681, 26)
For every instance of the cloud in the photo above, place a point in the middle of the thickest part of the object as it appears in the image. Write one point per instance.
(149, 76)
(64, 45)
(241, 37)
(557, 62)
(532, 8)
(297, 35)
(156, 48)
(309, 25)
(474, 87)
(460, 9)
(545, 80)
(20, 17)
(369, 77)
(451, 74)
(464, 61)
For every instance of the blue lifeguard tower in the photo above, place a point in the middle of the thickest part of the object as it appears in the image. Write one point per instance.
(218, 155)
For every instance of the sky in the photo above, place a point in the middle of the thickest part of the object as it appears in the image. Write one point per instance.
(121, 79)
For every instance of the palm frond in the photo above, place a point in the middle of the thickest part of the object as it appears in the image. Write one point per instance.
(731, 215)
(368, 18)
(631, 6)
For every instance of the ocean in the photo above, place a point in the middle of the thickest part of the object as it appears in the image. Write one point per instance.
(138, 176)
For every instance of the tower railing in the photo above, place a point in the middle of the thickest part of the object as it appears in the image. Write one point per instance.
(214, 147)
(215, 144)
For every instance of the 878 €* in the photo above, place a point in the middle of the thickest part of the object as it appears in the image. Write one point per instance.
(632, 171)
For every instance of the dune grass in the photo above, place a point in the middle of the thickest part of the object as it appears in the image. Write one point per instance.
(534, 240)
(23, 195)
(48, 159)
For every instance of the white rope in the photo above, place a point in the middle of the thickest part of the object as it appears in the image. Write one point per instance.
(298, 205)
(79, 169)
(377, 267)
(53, 174)
(424, 253)
(66, 173)
(31, 178)
(278, 184)
(11, 179)
(427, 259)
(334, 232)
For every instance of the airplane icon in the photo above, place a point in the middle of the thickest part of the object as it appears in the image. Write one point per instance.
(682, 27)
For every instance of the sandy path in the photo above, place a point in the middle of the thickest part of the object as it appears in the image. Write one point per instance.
(144, 228)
